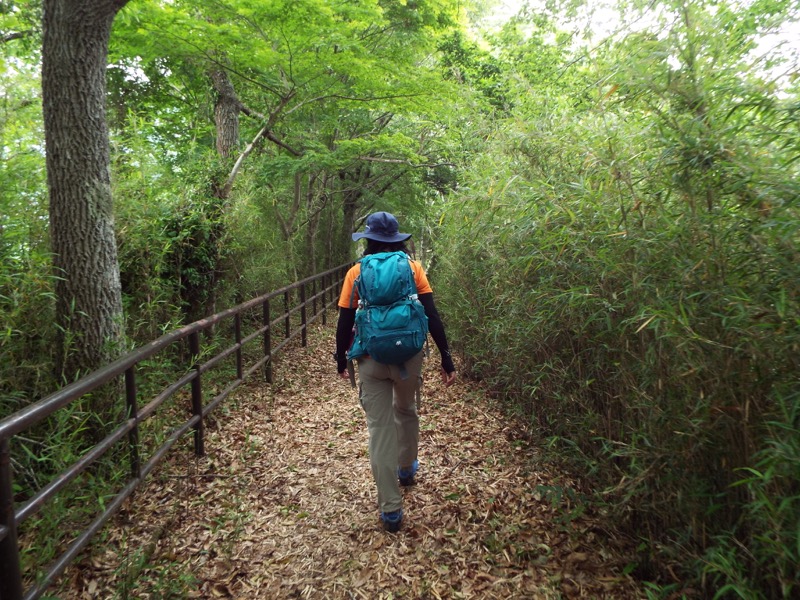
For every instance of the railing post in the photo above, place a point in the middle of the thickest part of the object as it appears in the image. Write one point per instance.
(237, 332)
(324, 296)
(267, 343)
(314, 296)
(303, 335)
(11, 579)
(286, 312)
(197, 394)
(133, 412)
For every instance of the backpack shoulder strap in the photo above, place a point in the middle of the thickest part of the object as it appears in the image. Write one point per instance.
(412, 282)
(357, 285)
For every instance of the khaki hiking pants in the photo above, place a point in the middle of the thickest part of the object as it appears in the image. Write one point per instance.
(389, 402)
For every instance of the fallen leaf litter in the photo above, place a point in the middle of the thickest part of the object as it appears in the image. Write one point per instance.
(283, 506)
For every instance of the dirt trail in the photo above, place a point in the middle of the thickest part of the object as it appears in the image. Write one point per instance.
(283, 506)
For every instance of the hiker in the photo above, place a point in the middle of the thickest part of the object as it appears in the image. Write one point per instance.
(387, 392)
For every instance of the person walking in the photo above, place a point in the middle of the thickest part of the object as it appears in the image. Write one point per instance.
(387, 392)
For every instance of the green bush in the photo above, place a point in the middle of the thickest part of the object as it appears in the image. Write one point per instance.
(27, 310)
(646, 325)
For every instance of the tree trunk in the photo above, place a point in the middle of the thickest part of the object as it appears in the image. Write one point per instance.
(226, 119)
(226, 114)
(89, 303)
(345, 242)
(353, 184)
(312, 224)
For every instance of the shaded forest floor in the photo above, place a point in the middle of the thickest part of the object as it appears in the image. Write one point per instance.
(283, 506)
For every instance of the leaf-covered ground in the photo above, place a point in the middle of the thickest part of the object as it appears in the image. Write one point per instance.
(283, 506)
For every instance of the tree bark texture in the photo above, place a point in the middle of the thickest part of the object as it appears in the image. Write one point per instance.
(89, 304)
(226, 114)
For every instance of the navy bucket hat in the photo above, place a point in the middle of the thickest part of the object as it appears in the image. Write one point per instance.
(382, 227)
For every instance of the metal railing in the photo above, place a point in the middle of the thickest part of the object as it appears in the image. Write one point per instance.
(323, 289)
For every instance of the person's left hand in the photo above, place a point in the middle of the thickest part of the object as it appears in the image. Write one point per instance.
(448, 379)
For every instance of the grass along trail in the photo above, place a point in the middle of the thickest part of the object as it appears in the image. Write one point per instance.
(283, 506)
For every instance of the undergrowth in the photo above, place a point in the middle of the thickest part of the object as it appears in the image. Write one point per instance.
(646, 326)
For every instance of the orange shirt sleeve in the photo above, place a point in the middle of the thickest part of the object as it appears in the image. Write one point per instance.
(348, 288)
(420, 278)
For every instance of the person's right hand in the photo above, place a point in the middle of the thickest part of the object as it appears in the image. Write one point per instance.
(448, 379)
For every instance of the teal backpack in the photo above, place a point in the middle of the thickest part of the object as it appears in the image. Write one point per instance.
(391, 325)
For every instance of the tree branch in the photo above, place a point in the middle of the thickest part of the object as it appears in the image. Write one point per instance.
(266, 132)
(14, 35)
(276, 140)
(226, 189)
(405, 161)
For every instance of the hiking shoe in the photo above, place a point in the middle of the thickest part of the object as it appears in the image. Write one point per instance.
(406, 475)
(392, 520)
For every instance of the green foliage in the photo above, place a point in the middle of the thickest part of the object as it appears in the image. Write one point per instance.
(26, 335)
(26, 286)
(338, 119)
(20, 27)
(38, 458)
(769, 566)
(463, 62)
(624, 270)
